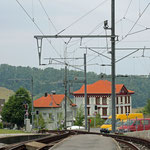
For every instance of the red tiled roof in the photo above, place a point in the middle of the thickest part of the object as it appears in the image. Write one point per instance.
(49, 101)
(101, 87)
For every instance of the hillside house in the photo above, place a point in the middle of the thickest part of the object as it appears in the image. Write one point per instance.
(99, 99)
(52, 108)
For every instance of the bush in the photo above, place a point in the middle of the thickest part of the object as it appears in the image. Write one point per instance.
(96, 121)
(1, 125)
(79, 117)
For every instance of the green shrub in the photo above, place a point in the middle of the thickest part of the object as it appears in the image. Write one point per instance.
(1, 125)
(96, 121)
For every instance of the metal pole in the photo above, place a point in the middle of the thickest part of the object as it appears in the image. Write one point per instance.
(85, 91)
(144, 122)
(65, 82)
(136, 123)
(71, 36)
(32, 102)
(113, 65)
(127, 123)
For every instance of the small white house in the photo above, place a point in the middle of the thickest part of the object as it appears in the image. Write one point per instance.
(99, 99)
(52, 108)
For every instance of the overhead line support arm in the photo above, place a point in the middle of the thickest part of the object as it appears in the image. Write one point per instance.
(73, 36)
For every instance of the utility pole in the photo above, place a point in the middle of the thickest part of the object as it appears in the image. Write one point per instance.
(112, 36)
(113, 65)
(85, 91)
(65, 84)
(32, 103)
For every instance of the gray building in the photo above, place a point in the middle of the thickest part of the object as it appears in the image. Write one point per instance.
(52, 108)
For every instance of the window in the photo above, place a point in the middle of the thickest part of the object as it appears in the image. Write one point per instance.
(117, 101)
(98, 110)
(104, 111)
(44, 114)
(126, 109)
(104, 101)
(128, 99)
(125, 99)
(137, 122)
(88, 111)
(50, 115)
(146, 122)
(121, 99)
(121, 109)
(97, 100)
(88, 100)
(117, 110)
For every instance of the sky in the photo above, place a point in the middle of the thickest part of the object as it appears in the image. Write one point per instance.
(20, 19)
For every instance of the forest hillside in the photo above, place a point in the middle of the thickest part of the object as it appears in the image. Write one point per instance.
(46, 80)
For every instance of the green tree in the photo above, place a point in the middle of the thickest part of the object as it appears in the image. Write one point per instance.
(39, 121)
(96, 121)
(146, 109)
(60, 118)
(80, 116)
(14, 111)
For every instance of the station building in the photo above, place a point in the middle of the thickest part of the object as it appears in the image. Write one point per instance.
(99, 99)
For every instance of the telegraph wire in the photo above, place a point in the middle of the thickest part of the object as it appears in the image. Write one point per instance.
(82, 17)
(29, 17)
(128, 8)
(93, 30)
(47, 15)
(139, 7)
(137, 20)
(33, 9)
(139, 31)
(32, 19)
(134, 24)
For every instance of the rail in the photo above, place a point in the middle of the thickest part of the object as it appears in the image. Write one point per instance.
(51, 140)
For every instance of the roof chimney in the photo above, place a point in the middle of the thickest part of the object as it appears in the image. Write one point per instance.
(46, 94)
(53, 92)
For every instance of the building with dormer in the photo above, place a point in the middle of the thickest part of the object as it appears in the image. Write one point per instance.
(99, 99)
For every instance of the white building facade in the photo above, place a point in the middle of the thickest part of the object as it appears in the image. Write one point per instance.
(99, 99)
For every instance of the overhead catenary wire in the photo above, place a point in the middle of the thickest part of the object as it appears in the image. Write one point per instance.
(140, 25)
(82, 16)
(139, 7)
(47, 15)
(37, 26)
(139, 31)
(136, 21)
(33, 9)
(93, 30)
(128, 8)
(65, 64)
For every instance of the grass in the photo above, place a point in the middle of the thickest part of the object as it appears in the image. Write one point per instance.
(6, 131)
(5, 93)
(136, 110)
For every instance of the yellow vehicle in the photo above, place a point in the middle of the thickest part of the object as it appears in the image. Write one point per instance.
(107, 126)
(118, 125)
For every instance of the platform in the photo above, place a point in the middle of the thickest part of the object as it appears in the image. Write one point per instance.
(87, 142)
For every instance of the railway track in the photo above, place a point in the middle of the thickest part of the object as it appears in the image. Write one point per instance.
(125, 142)
(141, 144)
(127, 145)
